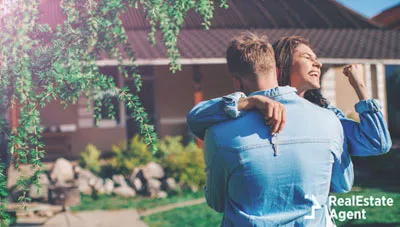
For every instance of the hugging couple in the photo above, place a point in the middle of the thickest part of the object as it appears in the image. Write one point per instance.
(276, 149)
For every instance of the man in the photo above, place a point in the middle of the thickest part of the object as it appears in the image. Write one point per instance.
(259, 179)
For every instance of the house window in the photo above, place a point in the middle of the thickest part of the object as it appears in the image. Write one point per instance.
(107, 121)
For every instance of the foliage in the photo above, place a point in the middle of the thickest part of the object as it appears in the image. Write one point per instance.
(170, 144)
(168, 17)
(354, 116)
(90, 158)
(186, 164)
(125, 159)
(39, 64)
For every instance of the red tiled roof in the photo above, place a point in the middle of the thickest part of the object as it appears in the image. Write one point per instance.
(390, 18)
(247, 14)
(327, 43)
(334, 30)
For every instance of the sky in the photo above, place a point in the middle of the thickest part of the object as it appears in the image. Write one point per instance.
(369, 8)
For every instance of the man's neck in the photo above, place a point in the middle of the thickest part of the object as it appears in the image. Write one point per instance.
(263, 84)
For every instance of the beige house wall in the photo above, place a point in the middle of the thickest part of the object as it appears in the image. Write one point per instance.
(175, 94)
(345, 97)
(70, 144)
(54, 114)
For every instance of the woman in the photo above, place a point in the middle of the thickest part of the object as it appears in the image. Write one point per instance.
(297, 66)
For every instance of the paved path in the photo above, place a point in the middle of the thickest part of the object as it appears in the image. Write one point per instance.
(99, 218)
(172, 206)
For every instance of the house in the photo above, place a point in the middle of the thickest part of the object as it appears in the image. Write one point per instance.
(390, 19)
(339, 36)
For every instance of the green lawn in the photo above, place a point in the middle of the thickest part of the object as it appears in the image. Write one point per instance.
(202, 215)
(376, 176)
(193, 216)
(115, 202)
(381, 179)
(374, 216)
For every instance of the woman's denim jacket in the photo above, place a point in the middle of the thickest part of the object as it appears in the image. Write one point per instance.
(370, 137)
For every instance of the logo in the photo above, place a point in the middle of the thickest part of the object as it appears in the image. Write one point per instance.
(315, 206)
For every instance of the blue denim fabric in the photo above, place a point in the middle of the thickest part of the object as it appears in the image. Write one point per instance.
(261, 180)
(370, 137)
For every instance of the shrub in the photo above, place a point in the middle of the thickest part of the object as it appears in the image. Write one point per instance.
(354, 116)
(125, 159)
(185, 164)
(169, 145)
(89, 158)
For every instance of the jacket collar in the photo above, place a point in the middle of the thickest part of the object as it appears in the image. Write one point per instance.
(277, 91)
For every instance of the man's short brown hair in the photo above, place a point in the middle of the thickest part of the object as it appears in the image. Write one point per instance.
(250, 55)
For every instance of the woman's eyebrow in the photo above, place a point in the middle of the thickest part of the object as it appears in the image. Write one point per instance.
(310, 55)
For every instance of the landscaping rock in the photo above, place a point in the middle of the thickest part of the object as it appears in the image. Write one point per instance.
(135, 173)
(120, 180)
(153, 170)
(153, 187)
(98, 185)
(84, 174)
(170, 184)
(62, 171)
(162, 194)
(84, 187)
(108, 186)
(44, 182)
(124, 191)
(137, 184)
(87, 182)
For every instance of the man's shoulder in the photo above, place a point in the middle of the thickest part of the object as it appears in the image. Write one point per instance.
(252, 122)
(320, 110)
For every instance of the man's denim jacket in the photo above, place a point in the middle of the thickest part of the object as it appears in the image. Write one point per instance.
(370, 137)
(258, 179)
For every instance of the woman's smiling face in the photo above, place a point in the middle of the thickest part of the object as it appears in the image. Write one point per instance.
(305, 69)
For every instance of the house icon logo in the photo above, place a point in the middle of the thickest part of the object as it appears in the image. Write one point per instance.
(315, 206)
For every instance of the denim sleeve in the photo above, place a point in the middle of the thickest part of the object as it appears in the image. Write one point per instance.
(371, 136)
(216, 180)
(342, 171)
(208, 113)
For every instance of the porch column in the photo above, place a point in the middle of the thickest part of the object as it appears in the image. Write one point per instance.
(198, 93)
(122, 114)
(328, 86)
(368, 79)
(381, 87)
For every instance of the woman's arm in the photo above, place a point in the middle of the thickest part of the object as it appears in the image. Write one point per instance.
(211, 112)
(208, 113)
(371, 136)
